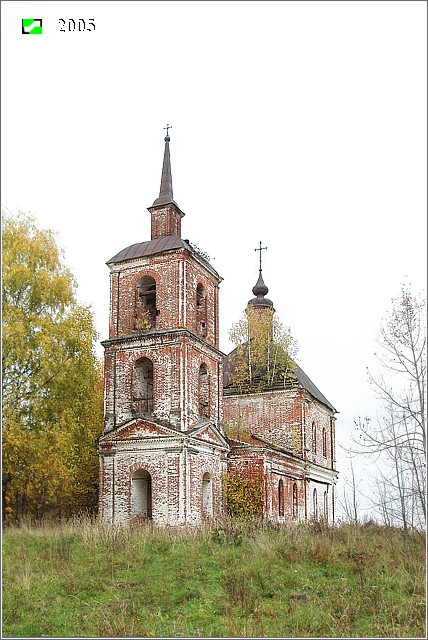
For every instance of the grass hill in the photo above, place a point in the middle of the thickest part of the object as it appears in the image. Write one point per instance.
(308, 580)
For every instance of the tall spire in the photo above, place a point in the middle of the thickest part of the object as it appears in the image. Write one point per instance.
(166, 214)
(165, 192)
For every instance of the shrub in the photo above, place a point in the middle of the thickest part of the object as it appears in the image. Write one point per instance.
(244, 497)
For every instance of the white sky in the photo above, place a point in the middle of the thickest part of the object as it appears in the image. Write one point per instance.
(301, 124)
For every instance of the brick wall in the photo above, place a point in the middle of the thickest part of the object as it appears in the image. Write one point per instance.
(273, 415)
(177, 275)
(165, 221)
(317, 415)
(177, 474)
(285, 418)
(178, 345)
(177, 360)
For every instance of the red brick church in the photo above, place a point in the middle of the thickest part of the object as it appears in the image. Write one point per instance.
(168, 396)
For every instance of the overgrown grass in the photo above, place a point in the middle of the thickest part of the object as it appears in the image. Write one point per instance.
(85, 579)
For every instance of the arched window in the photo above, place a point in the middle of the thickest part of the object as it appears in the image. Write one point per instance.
(315, 504)
(294, 500)
(207, 495)
(143, 386)
(324, 443)
(204, 392)
(281, 499)
(145, 304)
(314, 437)
(141, 494)
(201, 311)
(326, 505)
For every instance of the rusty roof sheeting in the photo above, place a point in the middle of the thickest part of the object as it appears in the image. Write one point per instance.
(149, 248)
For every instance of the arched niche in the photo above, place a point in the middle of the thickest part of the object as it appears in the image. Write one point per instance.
(207, 495)
(143, 386)
(315, 503)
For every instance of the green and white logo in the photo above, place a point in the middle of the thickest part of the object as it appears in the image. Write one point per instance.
(31, 25)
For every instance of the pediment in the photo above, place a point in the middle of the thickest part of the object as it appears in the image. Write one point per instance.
(209, 433)
(138, 428)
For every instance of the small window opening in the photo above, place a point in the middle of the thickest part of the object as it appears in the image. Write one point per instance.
(294, 501)
(314, 438)
(281, 499)
(324, 442)
(201, 311)
(204, 392)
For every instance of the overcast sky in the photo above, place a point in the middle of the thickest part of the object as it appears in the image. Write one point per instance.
(300, 124)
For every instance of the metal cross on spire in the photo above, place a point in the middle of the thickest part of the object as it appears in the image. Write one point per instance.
(260, 256)
(168, 126)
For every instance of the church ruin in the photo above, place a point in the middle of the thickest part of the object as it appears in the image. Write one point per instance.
(169, 393)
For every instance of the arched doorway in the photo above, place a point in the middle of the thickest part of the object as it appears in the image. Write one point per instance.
(141, 494)
(207, 495)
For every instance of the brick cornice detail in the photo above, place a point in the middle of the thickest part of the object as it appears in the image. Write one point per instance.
(153, 337)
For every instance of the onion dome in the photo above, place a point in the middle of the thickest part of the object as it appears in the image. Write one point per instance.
(260, 290)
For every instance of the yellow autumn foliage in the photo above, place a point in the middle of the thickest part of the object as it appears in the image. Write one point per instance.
(52, 380)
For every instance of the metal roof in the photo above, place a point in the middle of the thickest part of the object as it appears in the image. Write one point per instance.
(149, 248)
(307, 384)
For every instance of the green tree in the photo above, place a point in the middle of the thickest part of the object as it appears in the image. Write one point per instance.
(52, 380)
(264, 351)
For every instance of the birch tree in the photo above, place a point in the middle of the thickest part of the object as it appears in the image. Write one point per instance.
(264, 351)
(398, 439)
(51, 379)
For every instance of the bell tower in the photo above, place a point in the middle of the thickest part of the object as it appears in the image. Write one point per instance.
(163, 450)
(162, 357)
